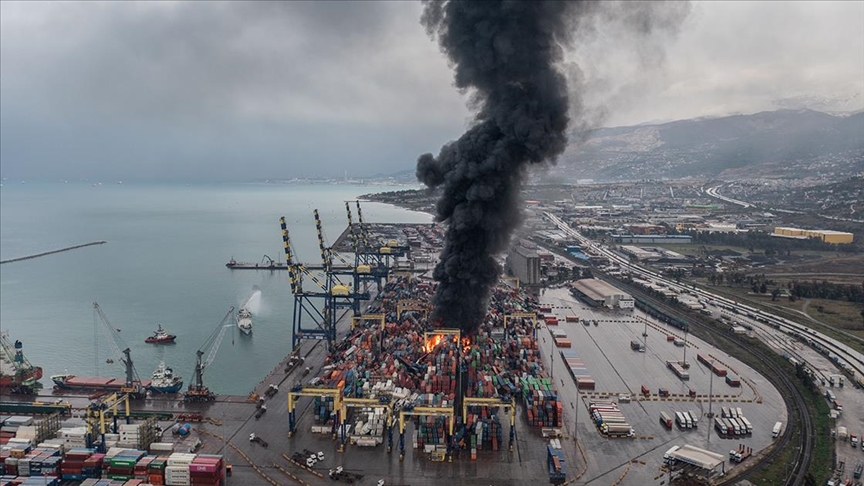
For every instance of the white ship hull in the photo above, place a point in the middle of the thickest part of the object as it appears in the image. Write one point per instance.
(244, 321)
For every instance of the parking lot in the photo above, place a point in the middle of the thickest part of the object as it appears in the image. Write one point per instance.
(605, 350)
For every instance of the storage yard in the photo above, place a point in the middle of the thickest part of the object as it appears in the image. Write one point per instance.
(400, 400)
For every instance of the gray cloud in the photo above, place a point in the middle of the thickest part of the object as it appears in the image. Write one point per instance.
(220, 90)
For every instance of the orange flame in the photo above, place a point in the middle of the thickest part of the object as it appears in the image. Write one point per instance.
(432, 342)
(466, 344)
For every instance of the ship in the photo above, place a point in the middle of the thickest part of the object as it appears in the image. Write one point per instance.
(17, 375)
(164, 380)
(244, 321)
(160, 337)
(92, 383)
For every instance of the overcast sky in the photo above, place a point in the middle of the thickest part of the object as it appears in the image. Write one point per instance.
(244, 91)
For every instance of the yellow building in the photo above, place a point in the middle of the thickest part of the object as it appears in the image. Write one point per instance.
(828, 236)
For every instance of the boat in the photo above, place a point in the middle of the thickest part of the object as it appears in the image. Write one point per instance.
(164, 380)
(17, 375)
(92, 383)
(160, 337)
(244, 321)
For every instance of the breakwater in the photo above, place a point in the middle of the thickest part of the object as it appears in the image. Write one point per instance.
(44, 253)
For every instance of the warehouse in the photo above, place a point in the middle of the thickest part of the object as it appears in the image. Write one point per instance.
(599, 293)
(698, 462)
(828, 236)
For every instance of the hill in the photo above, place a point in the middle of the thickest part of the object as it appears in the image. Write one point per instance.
(773, 144)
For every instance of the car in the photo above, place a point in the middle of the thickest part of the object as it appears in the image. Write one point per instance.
(310, 461)
(380, 482)
(320, 455)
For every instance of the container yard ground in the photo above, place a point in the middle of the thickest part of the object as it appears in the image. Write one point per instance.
(606, 352)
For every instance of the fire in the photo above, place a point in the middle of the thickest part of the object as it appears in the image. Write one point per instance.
(466, 344)
(432, 342)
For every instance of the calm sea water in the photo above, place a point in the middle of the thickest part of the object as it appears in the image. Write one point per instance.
(164, 263)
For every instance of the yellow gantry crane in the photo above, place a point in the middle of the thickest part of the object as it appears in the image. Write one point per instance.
(383, 402)
(407, 305)
(97, 412)
(315, 392)
(492, 403)
(447, 412)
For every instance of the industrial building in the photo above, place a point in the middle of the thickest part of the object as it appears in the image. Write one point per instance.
(642, 239)
(828, 236)
(660, 255)
(523, 261)
(698, 462)
(599, 293)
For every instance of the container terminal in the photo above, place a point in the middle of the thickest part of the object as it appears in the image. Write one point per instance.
(550, 386)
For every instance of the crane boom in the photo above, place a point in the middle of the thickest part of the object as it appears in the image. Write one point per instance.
(219, 333)
(133, 383)
(197, 391)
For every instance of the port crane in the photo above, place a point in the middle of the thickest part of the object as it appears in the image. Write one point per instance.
(24, 378)
(308, 304)
(133, 386)
(197, 392)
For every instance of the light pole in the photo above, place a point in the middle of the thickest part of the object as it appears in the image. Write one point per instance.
(711, 391)
(684, 364)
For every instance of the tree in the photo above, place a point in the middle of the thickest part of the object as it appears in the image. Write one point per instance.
(763, 288)
(776, 293)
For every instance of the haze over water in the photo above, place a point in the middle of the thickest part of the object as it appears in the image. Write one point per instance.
(164, 263)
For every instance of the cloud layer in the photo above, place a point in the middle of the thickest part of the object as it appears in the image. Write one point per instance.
(226, 90)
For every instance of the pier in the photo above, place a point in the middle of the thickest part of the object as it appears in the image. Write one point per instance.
(68, 248)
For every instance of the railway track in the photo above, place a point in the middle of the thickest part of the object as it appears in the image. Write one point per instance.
(793, 398)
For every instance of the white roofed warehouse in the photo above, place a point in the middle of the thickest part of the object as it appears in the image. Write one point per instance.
(601, 294)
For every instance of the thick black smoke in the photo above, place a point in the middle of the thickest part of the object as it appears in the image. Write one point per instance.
(506, 53)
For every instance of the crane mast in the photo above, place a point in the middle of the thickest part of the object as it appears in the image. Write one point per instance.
(197, 392)
(133, 383)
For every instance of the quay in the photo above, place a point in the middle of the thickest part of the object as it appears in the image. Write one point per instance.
(45, 253)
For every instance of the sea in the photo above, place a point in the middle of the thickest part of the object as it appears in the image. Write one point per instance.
(163, 264)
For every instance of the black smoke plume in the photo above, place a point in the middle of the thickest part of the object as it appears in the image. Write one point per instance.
(506, 53)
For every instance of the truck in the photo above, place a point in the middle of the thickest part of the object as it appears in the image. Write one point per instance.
(724, 412)
(735, 426)
(853, 439)
(858, 470)
(557, 467)
(617, 430)
(778, 428)
(738, 413)
(841, 433)
(637, 346)
(666, 420)
(733, 381)
(720, 425)
(741, 454)
(645, 390)
(667, 457)
(747, 424)
(682, 421)
(663, 392)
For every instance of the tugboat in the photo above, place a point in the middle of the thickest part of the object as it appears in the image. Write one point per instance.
(164, 381)
(244, 321)
(160, 337)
